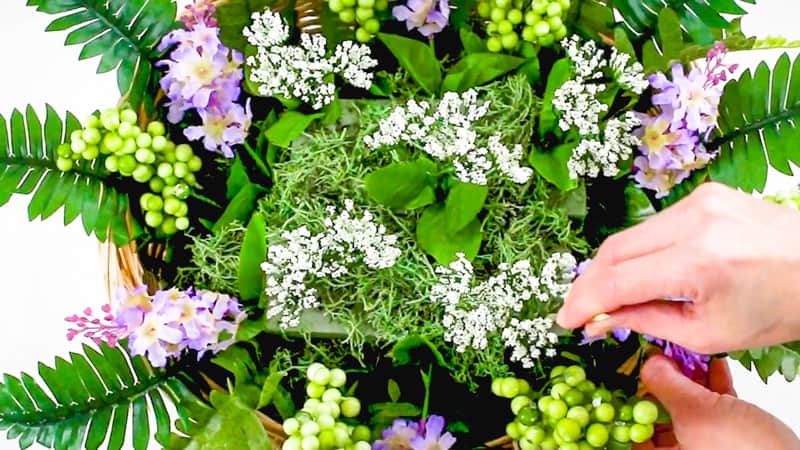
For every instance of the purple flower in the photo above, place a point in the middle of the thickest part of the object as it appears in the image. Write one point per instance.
(689, 361)
(398, 437)
(430, 435)
(220, 130)
(427, 16)
(204, 75)
(165, 324)
(423, 435)
(199, 12)
(672, 142)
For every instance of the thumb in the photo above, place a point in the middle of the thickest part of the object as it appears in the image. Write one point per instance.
(680, 395)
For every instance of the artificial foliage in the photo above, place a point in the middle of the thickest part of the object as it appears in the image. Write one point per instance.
(350, 224)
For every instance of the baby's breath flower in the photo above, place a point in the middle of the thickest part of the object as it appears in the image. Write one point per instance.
(346, 240)
(577, 101)
(474, 313)
(445, 133)
(304, 72)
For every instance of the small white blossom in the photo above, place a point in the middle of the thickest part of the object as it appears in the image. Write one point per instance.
(473, 313)
(527, 338)
(580, 108)
(303, 257)
(577, 102)
(592, 157)
(587, 59)
(630, 77)
(303, 72)
(445, 133)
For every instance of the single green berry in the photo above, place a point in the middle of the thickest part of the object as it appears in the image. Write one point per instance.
(515, 16)
(129, 116)
(373, 26)
(156, 128)
(510, 40)
(348, 15)
(153, 219)
(64, 164)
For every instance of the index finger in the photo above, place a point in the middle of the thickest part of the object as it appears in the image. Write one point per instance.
(605, 288)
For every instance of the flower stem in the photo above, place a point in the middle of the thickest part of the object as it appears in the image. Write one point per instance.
(426, 381)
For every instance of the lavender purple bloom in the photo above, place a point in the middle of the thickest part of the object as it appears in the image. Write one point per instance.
(201, 11)
(672, 142)
(205, 76)
(165, 324)
(423, 435)
(427, 16)
(689, 361)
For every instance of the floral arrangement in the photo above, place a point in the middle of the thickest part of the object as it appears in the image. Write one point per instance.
(346, 224)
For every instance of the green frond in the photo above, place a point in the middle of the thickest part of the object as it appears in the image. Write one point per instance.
(758, 125)
(93, 399)
(699, 18)
(124, 33)
(28, 166)
(783, 359)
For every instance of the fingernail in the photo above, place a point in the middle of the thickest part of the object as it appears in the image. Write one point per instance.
(600, 325)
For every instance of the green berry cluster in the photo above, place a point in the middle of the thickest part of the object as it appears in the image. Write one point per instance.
(319, 425)
(576, 415)
(361, 12)
(148, 156)
(542, 22)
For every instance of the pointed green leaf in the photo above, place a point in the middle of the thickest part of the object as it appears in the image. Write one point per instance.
(398, 184)
(253, 253)
(417, 59)
(290, 125)
(433, 237)
(464, 202)
(553, 165)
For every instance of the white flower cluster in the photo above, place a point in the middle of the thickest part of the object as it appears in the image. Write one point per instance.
(445, 133)
(630, 77)
(527, 338)
(302, 72)
(473, 313)
(593, 156)
(579, 107)
(345, 241)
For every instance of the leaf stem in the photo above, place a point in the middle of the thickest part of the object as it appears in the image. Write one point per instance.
(755, 126)
(426, 381)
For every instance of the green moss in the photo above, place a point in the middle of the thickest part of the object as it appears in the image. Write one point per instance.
(329, 165)
(215, 260)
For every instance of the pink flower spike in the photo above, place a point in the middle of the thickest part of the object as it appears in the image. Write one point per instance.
(87, 311)
(106, 308)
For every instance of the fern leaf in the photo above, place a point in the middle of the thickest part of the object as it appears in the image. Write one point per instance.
(699, 18)
(28, 166)
(758, 125)
(124, 33)
(92, 399)
(783, 359)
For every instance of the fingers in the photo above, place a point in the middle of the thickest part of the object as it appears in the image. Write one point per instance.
(605, 288)
(681, 396)
(655, 234)
(720, 379)
(662, 319)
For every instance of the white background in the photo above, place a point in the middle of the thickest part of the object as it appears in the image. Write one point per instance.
(49, 272)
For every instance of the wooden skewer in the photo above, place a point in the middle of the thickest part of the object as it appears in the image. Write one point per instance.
(499, 442)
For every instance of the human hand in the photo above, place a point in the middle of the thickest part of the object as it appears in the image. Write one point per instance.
(735, 256)
(711, 418)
